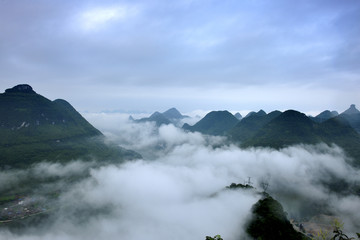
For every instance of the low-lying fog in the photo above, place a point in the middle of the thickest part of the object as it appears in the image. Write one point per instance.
(178, 190)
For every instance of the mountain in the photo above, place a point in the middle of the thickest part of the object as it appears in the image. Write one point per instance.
(338, 130)
(292, 127)
(269, 222)
(156, 117)
(325, 115)
(351, 110)
(33, 128)
(170, 116)
(352, 115)
(249, 125)
(214, 123)
(238, 116)
(173, 114)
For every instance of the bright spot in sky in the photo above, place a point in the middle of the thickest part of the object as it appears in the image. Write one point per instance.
(96, 18)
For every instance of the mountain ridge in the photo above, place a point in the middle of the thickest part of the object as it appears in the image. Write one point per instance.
(34, 128)
(171, 115)
(214, 123)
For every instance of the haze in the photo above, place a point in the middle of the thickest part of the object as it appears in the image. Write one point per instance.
(178, 190)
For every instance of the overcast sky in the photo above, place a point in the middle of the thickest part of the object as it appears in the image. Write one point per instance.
(147, 55)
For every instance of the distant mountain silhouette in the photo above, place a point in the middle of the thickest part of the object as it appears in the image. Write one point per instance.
(238, 116)
(156, 117)
(325, 115)
(33, 128)
(173, 114)
(351, 110)
(352, 115)
(170, 116)
(214, 123)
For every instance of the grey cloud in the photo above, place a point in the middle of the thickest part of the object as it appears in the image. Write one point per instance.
(157, 44)
(166, 49)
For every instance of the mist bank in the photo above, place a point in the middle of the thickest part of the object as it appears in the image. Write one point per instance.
(178, 190)
(308, 179)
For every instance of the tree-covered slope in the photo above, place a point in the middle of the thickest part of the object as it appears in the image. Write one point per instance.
(339, 131)
(290, 127)
(269, 222)
(214, 123)
(33, 128)
(250, 125)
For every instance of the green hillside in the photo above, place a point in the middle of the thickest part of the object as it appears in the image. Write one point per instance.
(292, 127)
(250, 125)
(33, 128)
(269, 222)
(214, 123)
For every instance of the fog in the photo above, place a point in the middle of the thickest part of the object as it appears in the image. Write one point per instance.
(177, 191)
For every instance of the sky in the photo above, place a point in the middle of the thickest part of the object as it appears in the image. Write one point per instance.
(151, 55)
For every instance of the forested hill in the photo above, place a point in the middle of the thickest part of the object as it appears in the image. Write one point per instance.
(34, 128)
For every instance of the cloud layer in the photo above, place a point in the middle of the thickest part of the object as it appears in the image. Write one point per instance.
(180, 192)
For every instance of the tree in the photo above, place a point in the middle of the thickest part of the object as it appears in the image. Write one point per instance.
(217, 237)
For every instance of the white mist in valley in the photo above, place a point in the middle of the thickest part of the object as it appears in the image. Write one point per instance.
(178, 190)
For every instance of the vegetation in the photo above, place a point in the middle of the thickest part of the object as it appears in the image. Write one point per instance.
(214, 123)
(269, 222)
(33, 129)
(239, 185)
(338, 233)
(250, 125)
(5, 199)
(217, 237)
(292, 127)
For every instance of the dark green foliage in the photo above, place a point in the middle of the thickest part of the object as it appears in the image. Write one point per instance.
(339, 235)
(5, 199)
(337, 130)
(249, 125)
(239, 186)
(290, 127)
(269, 222)
(21, 88)
(33, 128)
(214, 123)
(217, 237)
